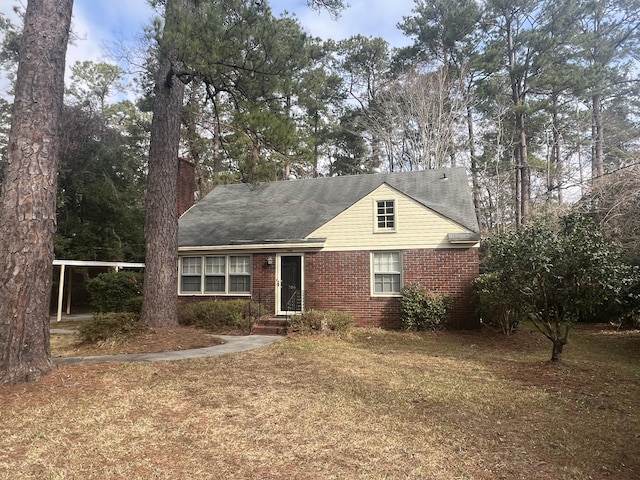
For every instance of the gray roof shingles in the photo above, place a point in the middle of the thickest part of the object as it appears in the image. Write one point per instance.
(289, 211)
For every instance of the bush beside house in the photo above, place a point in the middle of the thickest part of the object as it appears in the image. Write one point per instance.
(235, 314)
(312, 322)
(111, 292)
(423, 309)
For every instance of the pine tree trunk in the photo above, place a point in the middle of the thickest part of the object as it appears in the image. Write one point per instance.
(597, 165)
(28, 203)
(518, 191)
(518, 93)
(160, 301)
(556, 177)
(525, 177)
(474, 169)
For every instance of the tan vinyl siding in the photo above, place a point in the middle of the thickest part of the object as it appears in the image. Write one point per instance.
(416, 225)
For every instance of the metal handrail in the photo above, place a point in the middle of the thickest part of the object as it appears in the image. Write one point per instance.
(293, 301)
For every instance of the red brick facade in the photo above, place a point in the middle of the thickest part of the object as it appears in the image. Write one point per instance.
(342, 281)
(449, 271)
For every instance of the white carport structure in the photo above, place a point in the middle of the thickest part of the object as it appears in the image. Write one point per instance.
(63, 264)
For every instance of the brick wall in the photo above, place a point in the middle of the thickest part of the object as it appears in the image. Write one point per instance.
(449, 271)
(263, 280)
(341, 281)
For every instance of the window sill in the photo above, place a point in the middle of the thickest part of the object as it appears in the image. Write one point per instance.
(213, 294)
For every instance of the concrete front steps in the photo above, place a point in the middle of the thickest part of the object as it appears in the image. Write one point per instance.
(270, 326)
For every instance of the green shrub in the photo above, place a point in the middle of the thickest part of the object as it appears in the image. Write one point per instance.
(222, 315)
(307, 322)
(133, 305)
(312, 322)
(108, 292)
(422, 309)
(104, 326)
(559, 272)
(494, 307)
(338, 321)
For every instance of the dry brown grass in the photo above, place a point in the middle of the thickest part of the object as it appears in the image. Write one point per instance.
(376, 405)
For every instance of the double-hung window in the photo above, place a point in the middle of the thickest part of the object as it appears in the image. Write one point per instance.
(191, 274)
(215, 274)
(239, 274)
(387, 273)
(385, 216)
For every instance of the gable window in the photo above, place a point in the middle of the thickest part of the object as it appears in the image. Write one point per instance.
(385, 215)
(387, 273)
(215, 274)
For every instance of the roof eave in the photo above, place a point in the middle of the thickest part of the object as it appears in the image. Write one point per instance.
(274, 244)
(463, 238)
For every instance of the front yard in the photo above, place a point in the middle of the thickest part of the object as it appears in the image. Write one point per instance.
(375, 405)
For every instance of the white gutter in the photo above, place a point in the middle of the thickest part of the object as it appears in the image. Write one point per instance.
(255, 246)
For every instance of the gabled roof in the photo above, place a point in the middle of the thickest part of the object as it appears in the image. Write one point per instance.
(289, 211)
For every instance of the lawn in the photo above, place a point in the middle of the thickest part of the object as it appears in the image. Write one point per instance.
(375, 405)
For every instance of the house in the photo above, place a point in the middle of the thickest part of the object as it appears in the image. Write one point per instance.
(342, 243)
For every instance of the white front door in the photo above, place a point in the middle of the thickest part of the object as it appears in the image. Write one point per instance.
(290, 284)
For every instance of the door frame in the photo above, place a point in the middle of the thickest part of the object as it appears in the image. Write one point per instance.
(279, 310)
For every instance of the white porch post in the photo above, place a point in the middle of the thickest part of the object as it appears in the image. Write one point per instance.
(69, 291)
(60, 293)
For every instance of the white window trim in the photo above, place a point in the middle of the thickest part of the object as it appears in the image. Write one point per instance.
(203, 275)
(376, 228)
(373, 274)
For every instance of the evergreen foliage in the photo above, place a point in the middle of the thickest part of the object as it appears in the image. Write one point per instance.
(100, 192)
(113, 292)
(311, 322)
(525, 82)
(557, 274)
(492, 308)
(109, 326)
(220, 316)
(422, 309)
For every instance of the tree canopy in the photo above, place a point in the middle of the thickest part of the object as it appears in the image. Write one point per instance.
(511, 91)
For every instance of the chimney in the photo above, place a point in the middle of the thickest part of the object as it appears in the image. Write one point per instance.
(186, 185)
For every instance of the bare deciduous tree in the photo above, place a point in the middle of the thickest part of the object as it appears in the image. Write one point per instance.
(616, 198)
(420, 119)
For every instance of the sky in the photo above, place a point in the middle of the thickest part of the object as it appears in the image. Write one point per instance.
(98, 23)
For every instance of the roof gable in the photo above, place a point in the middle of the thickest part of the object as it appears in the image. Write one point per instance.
(290, 211)
(416, 226)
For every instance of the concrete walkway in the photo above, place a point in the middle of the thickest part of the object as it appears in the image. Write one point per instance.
(232, 344)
